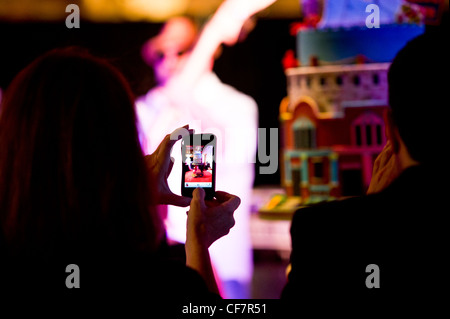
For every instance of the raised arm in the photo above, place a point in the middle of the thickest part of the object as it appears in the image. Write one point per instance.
(223, 27)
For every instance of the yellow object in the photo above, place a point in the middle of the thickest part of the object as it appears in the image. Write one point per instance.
(275, 201)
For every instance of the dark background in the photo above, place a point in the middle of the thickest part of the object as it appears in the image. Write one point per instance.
(253, 67)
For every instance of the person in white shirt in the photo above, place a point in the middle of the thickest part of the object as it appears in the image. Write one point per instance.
(188, 92)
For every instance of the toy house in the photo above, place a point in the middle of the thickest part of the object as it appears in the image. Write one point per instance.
(332, 129)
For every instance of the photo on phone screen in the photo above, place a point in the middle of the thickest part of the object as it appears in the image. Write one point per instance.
(198, 165)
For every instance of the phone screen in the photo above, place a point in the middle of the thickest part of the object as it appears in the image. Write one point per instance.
(199, 164)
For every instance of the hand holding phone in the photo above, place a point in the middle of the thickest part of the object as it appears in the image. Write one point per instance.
(205, 224)
(198, 153)
(209, 220)
(159, 165)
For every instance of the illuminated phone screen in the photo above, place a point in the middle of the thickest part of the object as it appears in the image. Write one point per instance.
(198, 165)
(198, 168)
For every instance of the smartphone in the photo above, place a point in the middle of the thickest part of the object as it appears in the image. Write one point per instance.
(198, 153)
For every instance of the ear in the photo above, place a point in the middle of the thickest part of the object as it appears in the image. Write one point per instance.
(392, 133)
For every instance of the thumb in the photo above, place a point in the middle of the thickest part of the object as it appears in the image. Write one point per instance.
(198, 196)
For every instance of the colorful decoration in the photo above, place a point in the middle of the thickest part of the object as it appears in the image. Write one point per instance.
(332, 122)
(332, 119)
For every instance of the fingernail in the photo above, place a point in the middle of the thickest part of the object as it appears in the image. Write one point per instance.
(200, 191)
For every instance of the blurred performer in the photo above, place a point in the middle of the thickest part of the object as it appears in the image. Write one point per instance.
(189, 92)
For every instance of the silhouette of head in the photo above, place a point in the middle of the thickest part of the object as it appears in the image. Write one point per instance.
(167, 51)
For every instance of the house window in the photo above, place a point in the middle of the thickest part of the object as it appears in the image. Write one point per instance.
(296, 180)
(368, 130)
(376, 79)
(318, 170)
(308, 81)
(304, 133)
(358, 135)
(369, 135)
(356, 80)
(379, 132)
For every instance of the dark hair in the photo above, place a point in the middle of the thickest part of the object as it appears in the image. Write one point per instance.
(419, 95)
(72, 173)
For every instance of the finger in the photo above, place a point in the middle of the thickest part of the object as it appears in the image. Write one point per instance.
(232, 203)
(148, 159)
(391, 164)
(177, 200)
(165, 146)
(383, 157)
(172, 161)
(388, 148)
(199, 194)
(169, 141)
(219, 198)
(180, 132)
(386, 155)
(198, 198)
(222, 196)
(376, 164)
